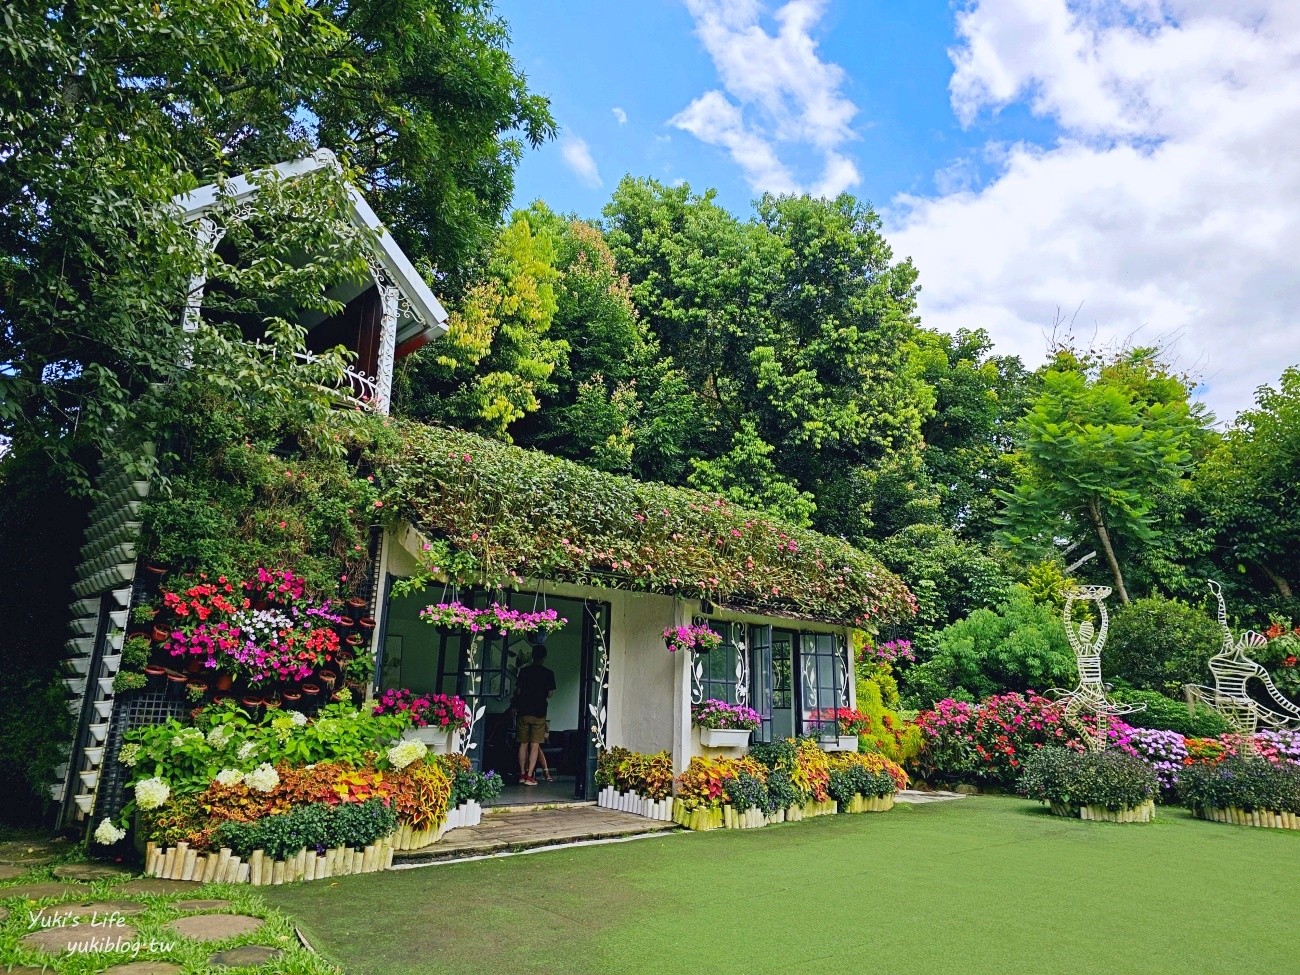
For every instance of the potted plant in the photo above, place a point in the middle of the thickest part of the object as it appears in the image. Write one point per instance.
(724, 725)
(696, 638)
(436, 719)
(176, 684)
(156, 675)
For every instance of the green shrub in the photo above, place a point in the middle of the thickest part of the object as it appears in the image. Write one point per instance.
(481, 787)
(746, 791)
(1243, 783)
(129, 680)
(1159, 644)
(857, 780)
(1165, 714)
(1062, 776)
(1020, 646)
(311, 827)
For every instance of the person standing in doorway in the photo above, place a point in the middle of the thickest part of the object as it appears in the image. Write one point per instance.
(533, 688)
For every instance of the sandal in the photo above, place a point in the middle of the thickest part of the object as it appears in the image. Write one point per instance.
(547, 776)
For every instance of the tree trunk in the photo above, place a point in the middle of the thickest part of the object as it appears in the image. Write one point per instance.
(1283, 587)
(1094, 512)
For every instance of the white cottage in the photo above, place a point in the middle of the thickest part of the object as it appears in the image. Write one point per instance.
(617, 684)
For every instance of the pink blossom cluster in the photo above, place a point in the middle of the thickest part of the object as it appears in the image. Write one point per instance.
(424, 710)
(496, 617)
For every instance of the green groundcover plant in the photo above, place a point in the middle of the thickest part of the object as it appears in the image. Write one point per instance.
(1110, 779)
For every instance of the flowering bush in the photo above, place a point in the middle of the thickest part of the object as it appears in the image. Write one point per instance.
(151, 793)
(894, 652)
(1281, 655)
(1164, 751)
(798, 770)
(704, 783)
(106, 833)
(720, 715)
(424, 710)
(986, 743)
(696, 639)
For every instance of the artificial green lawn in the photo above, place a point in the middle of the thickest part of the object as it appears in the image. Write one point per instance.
(974, 886)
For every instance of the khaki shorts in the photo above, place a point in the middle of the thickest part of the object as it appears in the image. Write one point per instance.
(532, 730)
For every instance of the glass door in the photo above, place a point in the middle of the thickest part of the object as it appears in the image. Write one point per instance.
(820, 677)
(783, 652)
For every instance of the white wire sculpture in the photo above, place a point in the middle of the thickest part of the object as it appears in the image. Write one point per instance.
(1231, 668)
(1089, 697)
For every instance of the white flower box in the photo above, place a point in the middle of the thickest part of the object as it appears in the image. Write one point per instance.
(840, 743)
(726, 737)
(440, 741)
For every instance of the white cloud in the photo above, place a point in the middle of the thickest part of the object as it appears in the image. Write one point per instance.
(619, 115)
(577, 156)
(1170, 202)
(777, 91)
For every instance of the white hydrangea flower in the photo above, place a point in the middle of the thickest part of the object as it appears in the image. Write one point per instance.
(151, 793)
(263, 778)
(182, 738)
(129, 755)
(404, 753)
(219, 737)
(298, 718)
(108, 834)
(246, 750)
(229, 776)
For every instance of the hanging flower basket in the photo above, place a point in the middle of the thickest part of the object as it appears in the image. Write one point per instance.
(694, 638)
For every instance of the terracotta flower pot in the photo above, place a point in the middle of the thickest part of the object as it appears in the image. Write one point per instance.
(195, 666)
(154, 569)
(176, 684)
(157, 677)
(366, 622)
(224, 682)
(357, 602)
(160, 634)
(291, 699)
(355, 640)
(346, 622)
(194, 685)
(310, 689)
(327, 681)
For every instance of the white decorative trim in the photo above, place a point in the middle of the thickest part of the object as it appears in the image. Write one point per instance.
(636, 804)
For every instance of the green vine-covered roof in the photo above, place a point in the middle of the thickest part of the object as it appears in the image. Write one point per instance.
(511, 513)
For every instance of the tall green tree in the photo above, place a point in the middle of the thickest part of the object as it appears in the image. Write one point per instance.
(796, 333)
(1098, 447)
(1247, 488)
(113, 108)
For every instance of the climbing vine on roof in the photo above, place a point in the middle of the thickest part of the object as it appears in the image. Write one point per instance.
(511, 514)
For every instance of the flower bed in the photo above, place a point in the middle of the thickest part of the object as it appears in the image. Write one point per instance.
(785, 781)
(1246, 790)
(1109, 785)
(264, 792)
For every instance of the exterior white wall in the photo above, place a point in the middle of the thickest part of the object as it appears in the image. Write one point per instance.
(649, 697)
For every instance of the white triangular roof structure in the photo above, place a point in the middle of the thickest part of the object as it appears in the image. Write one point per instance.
(422, 315)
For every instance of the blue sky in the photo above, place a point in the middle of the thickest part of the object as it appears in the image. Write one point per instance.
(642, 57)
(1123, 165)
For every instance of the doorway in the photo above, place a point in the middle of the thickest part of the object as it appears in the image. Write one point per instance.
(424, 659)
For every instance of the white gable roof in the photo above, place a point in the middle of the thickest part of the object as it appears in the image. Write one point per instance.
(423, 313)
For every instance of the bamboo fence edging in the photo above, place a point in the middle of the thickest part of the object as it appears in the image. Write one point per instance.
(182, 863)
(636, 804)
(1143, 813)
(1236, 816)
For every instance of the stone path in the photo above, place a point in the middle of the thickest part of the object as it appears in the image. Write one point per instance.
(245, 955)
(213, 927)
(511, 830)
(921, 798)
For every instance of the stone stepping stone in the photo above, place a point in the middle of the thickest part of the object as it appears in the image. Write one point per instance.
(9, 871)
(86, 908)
(47, 889)
(88, 871)
(214, 927)
(245, 955)
(201, 904)
(155, 885)
(18, 853)
(144, 968)
(54, 941)
(27, 970)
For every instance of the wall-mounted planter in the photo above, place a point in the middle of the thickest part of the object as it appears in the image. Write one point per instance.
(725, 737)
(840, 743)
(182, 863)
(99, 732)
